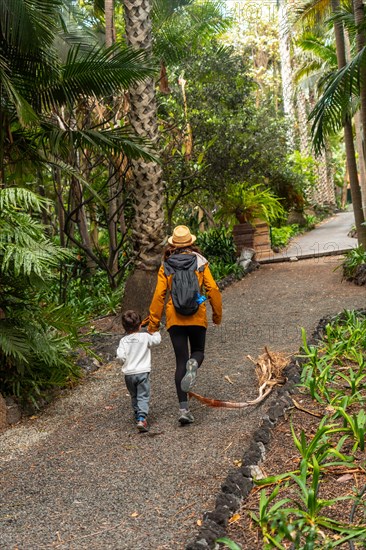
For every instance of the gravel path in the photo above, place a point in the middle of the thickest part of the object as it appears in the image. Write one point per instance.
(79, 477)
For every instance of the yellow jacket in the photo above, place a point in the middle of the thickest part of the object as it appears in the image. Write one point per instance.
(199, 318)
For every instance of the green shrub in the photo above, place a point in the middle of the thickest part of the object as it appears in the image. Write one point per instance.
(280, 236)
(89, 295)
(217, 244)
(36, 336)
(352, 259)
(220, 270)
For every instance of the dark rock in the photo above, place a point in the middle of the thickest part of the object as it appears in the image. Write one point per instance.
(246, 472)
(197, 545)
(275, 412)
(210, 531)
(232, 502)
(220, 516)
(13, 412)
(89, 364)
(360, 275)
(231, 487)
(253, 455)
(262, 435)
(237, 480)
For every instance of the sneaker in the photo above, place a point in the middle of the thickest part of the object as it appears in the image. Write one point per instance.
(186, 417)
(142, 425)
(189, 378)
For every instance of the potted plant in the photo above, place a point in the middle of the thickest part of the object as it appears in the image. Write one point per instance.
(250, 209)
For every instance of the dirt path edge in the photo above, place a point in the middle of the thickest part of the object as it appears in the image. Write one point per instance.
(239, 481)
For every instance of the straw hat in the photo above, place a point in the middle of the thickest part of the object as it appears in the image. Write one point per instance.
(181, 237)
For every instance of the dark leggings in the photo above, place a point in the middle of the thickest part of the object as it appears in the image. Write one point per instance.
(180, 335)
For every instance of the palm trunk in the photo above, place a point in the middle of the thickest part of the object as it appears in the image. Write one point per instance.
(348, 139)
(286, 71)
(110, 33)
(361, 159)
(148, 224)
(360, 120)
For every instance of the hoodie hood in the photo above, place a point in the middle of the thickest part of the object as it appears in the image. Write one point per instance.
(178, 262)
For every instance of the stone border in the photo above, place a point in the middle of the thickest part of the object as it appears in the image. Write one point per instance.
(239, 482)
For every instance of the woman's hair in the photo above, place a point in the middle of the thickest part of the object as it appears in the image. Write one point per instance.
(170, 250)
(131, 321)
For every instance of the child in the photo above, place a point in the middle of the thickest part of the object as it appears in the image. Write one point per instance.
(134, 352)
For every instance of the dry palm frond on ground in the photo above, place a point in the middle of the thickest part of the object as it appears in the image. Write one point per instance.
(269, 369)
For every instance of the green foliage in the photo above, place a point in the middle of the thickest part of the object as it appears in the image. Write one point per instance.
(24, 250)
(352, 259)
(217, 244)
(218, 247)
(245, 203)
(87, 295)
(228, 543)
(344, 340)
(233, 140)
(280, 236)
(35, 338)
(220, 270)
(301, 520)
(304, 168)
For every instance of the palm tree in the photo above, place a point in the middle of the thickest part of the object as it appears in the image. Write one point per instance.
(148, 224)
(167, 30)
(334, 108)
(286, 70)
(349, 142)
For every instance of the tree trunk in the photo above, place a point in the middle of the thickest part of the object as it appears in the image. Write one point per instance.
(360, 119)
(348, 139)
(148, 224)
(286, 71)
(361, 161)
(82, 223)
(110, 33)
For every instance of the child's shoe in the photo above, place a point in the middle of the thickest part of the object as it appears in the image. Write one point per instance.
(142, 424)
(185, 417)
(189, 378)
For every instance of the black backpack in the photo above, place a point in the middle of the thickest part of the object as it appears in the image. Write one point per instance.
(185, 287)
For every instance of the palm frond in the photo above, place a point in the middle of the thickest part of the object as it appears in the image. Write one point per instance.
(24, 249)
(181, 29)
(107, 141)
(13, 342)
(336, 104)
(316, 46)
(311, 12)
(19, 198)
(101, 72)
(29, 25)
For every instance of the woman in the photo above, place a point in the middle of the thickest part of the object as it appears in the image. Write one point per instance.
(190, 329)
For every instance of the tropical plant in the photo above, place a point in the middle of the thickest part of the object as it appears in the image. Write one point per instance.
(352, 260)
(245, 203)
(35, 338)
(337, 105)
(280, 236)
